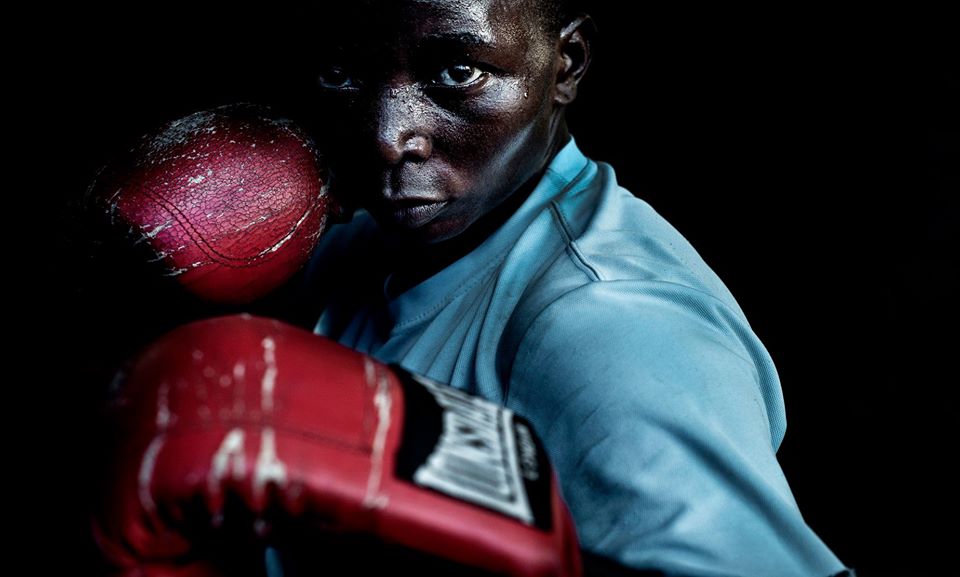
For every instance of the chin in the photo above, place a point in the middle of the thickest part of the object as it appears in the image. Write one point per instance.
(432, 233)
(429, 235)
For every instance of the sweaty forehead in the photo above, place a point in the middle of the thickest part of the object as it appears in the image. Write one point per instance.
(400, 24)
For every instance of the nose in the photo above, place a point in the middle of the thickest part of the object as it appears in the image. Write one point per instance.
(402, 125)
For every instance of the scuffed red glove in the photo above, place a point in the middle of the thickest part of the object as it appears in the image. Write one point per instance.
(228, 202)
(239, 432)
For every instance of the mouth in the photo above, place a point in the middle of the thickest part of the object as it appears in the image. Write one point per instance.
(414, 212)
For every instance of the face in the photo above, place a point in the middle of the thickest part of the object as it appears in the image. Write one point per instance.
(433, 112)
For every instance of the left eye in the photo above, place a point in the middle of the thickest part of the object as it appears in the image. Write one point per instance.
(459, 75)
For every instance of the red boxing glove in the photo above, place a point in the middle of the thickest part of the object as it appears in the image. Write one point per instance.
(238, 432)
(229, 202)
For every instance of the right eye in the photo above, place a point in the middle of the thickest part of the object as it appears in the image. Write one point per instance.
(336, 78)
(458, 76)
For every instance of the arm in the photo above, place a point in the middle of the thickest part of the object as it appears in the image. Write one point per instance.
(662, 413)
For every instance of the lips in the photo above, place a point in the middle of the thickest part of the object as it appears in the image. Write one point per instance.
(414, 212)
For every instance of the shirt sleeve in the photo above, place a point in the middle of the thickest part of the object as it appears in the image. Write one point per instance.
(661, 412)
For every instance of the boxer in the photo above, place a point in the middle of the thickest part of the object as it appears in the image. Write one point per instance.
(496, 257)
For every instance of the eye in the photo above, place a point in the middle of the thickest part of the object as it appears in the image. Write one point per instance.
(459, 75)
(336, 78)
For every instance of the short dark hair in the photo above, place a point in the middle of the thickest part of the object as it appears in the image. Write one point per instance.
(556, 13)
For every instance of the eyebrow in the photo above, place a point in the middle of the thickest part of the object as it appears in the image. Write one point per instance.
(458, 40)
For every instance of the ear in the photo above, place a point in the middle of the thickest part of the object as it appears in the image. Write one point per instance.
(574, 54)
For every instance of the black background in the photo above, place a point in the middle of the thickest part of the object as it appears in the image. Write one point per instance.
(810, 157)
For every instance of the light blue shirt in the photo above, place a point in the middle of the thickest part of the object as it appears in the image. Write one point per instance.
(589, 314)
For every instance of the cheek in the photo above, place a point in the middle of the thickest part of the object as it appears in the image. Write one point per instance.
(486, 130)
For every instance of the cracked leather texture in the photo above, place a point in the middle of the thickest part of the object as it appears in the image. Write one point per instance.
(230, 201)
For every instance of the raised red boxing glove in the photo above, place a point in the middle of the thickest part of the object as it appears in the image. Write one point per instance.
(228, 201)
(238, 432)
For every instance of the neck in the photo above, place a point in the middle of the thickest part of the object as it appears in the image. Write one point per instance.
(416, 262)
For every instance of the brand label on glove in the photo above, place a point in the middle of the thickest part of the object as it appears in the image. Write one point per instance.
(474, 450)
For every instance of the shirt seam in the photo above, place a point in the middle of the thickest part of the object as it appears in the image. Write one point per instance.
(579, 259)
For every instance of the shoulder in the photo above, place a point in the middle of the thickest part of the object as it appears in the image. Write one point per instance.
(594, 230)
(615, 289)
(610, 273)
(616, 235)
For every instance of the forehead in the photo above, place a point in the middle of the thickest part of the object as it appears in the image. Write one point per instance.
(399, 24)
